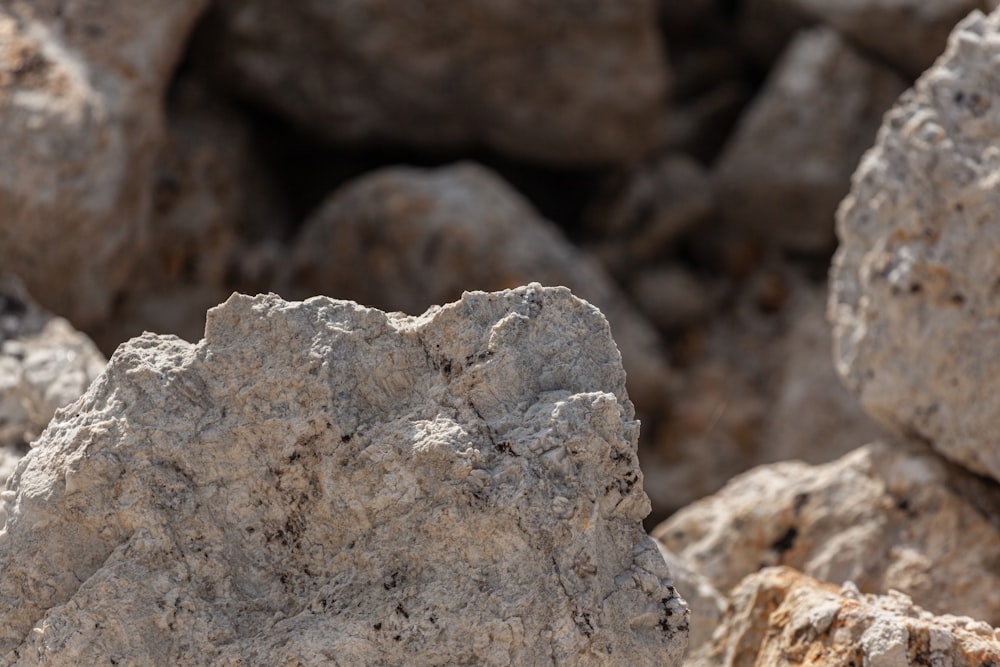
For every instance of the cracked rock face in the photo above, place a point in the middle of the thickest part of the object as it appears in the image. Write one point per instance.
(322, 483)
(914, 300)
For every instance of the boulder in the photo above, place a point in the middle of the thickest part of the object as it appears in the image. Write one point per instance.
(886, 516)
(789, 161)
(404, 238)
(80, 124)
(913, 299)
(782, 618)
(320, 482)
(559, 83)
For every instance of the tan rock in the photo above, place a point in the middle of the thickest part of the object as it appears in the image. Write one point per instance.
(789, 162)
(80, 123)
(563, 83)
(913, 301)
(320, 482)
(885, 517)
(781, 618)
(403, 239)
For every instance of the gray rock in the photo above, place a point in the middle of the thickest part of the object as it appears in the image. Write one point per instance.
(319, 483)
(782, 618)
(789, 162)
(80, 124)
(403, 239)
(910, 34)
(884, 516)
(45, 364)
(564, 83)
(914, 300)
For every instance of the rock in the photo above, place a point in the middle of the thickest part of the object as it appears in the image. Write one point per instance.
(916, 314)
(672, 297)
(884, 516)
(80, 124)
(319, 481)
(564, 83)
(210, 190)
(789, 162)
(782, 618)
(910, 34)
(643, 210)
(403, 239)
(44, 365)
(755, 385)
(705, 604)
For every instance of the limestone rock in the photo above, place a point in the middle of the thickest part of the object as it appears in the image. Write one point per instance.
(321, 482)
(80, 123)
(562, 83)
(910, 34)
(884, 516)
(782, 618)
(789, 162)
(45, 364)
(705, 604)
(403, 239)
(915, 311)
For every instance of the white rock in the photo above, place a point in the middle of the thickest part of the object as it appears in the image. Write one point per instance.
(319, 483)
(914, 299)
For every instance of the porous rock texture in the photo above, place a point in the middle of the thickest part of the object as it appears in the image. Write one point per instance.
(45, 364)
(563, 83)
(323, 483)
(786, 167)
(405, 238)
(81, 84)
(886, 516)
(782, 618)
(913, 302)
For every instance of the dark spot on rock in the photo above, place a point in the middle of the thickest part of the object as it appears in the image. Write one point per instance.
(786, 541)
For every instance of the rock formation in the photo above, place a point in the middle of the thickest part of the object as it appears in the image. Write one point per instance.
(914, 300)
(320, 482)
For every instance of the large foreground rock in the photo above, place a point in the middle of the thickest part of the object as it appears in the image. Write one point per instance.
(319, 483)
(914, 299)
(560, 82)
(884, 516)
(403, 239)
(80, 123)
(782, 618)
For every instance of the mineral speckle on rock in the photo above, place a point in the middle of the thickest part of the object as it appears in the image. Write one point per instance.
(320, 482)
(914, 301)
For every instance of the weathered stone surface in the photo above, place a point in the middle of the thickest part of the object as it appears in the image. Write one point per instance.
(561, 83)
(403, 239)
(885, 517)
(80, 123)
(782, 618)
(789, 162)
(705, 604)
(910, 34)
(319, 483)
(914, 304)
(44, 365)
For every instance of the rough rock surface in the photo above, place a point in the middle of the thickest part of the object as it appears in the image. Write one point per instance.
(885, 517)
(910, 34)
(562, 83)
(788, 164)
(915, 307)
(705, 604)
(782, 618)
(44, 365)
(403, 239)
(320, 482)
(80, 123)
